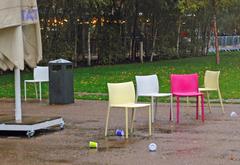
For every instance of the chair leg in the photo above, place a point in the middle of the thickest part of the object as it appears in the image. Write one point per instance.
(149, 121)
(197, 101)
(208, 100)
(153, 110)
(178, 109)
(25, 91)
(171, 108)
(202, 100)
(133, 117)
(221, 102)
(187, 99)
(40, 91)
(134, 112)
(136, 98)
(35, 85)
(126, 117)
(199, 105)
(106, 126)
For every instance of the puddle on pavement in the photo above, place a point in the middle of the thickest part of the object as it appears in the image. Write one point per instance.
(59, 162)
(187, 151)
(116, 143)
(166, 130)
(104, 143)
(88, 121)
(232, 154)
(113, 142)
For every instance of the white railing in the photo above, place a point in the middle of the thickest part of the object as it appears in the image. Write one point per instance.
(226, 43)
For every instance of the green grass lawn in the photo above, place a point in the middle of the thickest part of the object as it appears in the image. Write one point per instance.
(91, 82)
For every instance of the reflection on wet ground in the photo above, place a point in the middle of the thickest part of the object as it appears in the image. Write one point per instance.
(115, 143)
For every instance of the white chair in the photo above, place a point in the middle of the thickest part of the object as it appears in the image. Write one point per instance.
(40, 74)
(148, 86)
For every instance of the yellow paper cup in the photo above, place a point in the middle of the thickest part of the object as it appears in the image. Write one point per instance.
(93, 144)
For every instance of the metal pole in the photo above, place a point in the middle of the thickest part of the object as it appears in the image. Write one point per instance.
(18, 109)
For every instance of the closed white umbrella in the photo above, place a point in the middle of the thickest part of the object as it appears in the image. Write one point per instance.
(20, 40)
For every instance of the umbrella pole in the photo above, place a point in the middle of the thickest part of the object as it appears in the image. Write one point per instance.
(18, 109)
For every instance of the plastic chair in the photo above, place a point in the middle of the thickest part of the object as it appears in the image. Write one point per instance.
(122, 95)
(211, 83)
(148, 86)
(40, 74)
(186, 85)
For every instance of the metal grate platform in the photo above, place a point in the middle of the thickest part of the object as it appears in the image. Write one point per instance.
(30, 124)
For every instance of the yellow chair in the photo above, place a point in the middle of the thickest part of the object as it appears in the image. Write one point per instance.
(122, 95)
(211, 83)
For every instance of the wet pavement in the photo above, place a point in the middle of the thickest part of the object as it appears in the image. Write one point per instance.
(215, 142)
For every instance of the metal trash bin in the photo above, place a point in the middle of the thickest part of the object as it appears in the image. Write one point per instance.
(60, 82)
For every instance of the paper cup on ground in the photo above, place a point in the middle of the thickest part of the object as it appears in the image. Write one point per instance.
(93, 144)
(152, 147)
(233, 114)
(119, 132)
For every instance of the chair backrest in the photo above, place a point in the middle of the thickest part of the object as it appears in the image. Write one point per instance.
(147, 84)
(181, 83)
(121, 93)
(211, 79)
(41, 73)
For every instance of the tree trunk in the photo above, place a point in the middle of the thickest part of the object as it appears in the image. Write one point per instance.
(134, 31)
(89, 46)
(178, 35)
(205, 36)
(214, 21)
(83, 42)
(216, 40)
(199, 45)
(141, 51)
(76, 45)
(153, 45)
(130, 50)
(141, 42)
(209, 39)
(154, 37)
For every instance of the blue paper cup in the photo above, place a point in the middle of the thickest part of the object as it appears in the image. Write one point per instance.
(119, 132)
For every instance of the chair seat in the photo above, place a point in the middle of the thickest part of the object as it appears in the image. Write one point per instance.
(131, 105)
(32, 81)
(156, 94)
(187, 94)
(207, 89)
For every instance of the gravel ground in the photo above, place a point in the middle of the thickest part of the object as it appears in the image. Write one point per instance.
(214, 142)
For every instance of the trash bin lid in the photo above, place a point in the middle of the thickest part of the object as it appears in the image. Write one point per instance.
(60, 61)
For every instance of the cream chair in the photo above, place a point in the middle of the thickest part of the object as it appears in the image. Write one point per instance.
(148, 86)
(40, 74)
(122, 95)
(211, 83)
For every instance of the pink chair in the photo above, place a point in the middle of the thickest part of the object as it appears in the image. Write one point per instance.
(186, 85)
